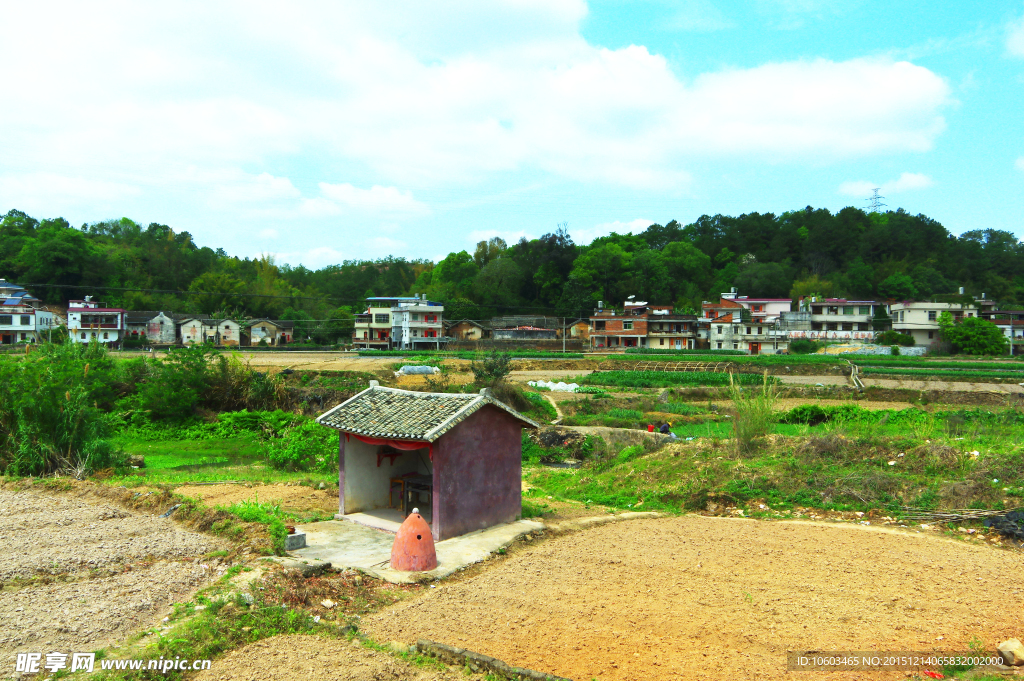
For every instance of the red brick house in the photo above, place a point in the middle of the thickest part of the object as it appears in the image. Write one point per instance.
(640, 325)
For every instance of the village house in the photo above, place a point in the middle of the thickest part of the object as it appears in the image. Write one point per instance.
(455, 456)
(466, 330)
(271, 332)
(162, 329)
(22, 318)
(190, 330)
(747, 324)
(642, 325)
(833, 319)
(524, 333)
(223, 332)
(89, 320)
(920, 319)
(416, 324)
(372, 328)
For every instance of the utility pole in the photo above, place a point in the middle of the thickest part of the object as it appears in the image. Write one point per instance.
(875, 200)
(563, 335)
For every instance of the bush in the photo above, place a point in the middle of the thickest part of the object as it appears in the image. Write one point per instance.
(494, 368)
(894, 338)
(802, 346)
(51, 416)
(305, 447)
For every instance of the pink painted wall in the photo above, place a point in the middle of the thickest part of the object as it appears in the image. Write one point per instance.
(478, 474)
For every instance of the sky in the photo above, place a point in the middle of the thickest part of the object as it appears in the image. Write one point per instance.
(326, 131)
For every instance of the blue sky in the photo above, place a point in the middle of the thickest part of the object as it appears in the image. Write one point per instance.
(328, 131)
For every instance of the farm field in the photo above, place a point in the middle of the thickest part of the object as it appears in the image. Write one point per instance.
(715, 598)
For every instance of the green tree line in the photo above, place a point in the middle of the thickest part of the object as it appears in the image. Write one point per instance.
(811, 251)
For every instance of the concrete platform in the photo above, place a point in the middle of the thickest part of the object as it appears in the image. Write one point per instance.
(349, 545)
(387, 519)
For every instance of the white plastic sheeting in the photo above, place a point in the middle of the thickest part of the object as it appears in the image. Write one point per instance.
(409, 370)
(555, 387)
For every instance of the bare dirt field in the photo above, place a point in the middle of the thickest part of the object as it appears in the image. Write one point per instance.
(80, 574)
(318, 659)
(290, 497)
(714, 598)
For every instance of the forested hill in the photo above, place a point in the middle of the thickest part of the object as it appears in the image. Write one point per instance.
(851, 253)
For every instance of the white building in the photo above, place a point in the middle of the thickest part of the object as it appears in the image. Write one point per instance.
(921, 319)
(270, 331)
(832, 319)
(747, 324)
(191, 330)
(22, 320)
(89, 320)
(416, 324)
(373, 327)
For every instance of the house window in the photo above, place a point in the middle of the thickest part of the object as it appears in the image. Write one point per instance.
(759, 330)
(865, 309)
(847, 326)
(661, 341)
(719, 330)
(105, 336)
(24, 336)
(970, 314)
(627, 326)
(931, 334)
(831, 326)
(932, 315)
(83, 335)
(6, 319)
(25, 320)
(415, 316)
(719, 345)
(381, 318)
(748, 330)
(735, 346)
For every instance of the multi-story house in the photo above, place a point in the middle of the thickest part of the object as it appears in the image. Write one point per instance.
(89, 320)
(416, 323)
(22, 319)
(642, 326)
(834, 319)
(747, 324)
(372, 328)
(921, 319)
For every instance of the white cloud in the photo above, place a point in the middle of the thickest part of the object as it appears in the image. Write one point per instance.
(53, 193)
(904, 183)
(583, 236)
(268, 234)
(254, 189)
(376, 199)
(1015, 37)
(1020, 163)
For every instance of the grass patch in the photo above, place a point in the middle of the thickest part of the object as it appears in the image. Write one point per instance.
(442, 354)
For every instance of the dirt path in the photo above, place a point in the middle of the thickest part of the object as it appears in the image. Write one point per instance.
(713, 598)
(955, 386)
(111, 572)
(319, 659)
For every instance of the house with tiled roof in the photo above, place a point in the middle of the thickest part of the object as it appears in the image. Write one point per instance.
(455, 456)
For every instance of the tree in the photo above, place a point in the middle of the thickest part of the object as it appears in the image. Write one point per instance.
(764, 280)
(458, 269)
(498, 283)
(973, 335)
(486, 251)
(898, 286)
(214, 292)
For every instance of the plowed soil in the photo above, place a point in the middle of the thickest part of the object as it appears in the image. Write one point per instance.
(79, 576)
(290, 497)
(712, 598)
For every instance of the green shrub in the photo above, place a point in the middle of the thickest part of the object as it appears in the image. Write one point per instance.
(305, 447)
(252, 511)
(666, 379)
(894, 338)
(802, 346)
(52, 411)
